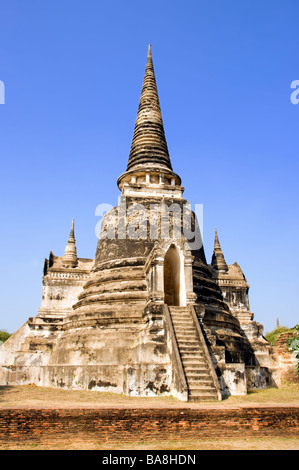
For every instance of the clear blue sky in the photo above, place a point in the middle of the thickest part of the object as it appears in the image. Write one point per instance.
(73, 72)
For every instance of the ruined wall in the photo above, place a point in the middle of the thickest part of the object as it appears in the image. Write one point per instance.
(48, 425)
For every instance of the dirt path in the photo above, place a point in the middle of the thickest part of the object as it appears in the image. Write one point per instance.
(31, 396)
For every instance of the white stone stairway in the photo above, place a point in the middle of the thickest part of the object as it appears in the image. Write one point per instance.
(198, 376)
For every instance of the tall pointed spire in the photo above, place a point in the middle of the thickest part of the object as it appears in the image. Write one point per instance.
(149, 147)
(218, 261)
(70, 259)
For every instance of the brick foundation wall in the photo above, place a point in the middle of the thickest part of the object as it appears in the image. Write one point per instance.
(146, 424)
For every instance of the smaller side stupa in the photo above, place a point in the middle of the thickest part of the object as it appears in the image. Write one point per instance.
(235, 290)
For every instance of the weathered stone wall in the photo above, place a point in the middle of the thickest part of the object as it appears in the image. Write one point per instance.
(146, 424)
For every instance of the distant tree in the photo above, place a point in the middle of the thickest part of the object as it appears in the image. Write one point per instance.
(273, 336)
(4, 335)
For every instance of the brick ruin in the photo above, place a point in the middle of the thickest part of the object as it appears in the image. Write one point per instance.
(148, 315)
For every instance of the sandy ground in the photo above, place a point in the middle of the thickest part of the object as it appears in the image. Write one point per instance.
(31, 396)
(273, 443)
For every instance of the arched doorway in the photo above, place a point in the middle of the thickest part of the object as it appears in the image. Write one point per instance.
(172, 277)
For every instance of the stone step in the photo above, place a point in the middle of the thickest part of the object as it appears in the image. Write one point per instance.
(201, 368)
(191, 360)
(191, 353)
(190, 344)
(191, 347)
(183, 334)
(182, 321)
(180, 314)
(192, 383)
(194, 398)
(177, 314)
(192, 375)
(198, 372)
(199, 363)
(195, 367)
(202, 397)
(187, 339)
(184, 330)
(182, 327)
(201, 390)
(204, 375)
(177, 307)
